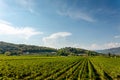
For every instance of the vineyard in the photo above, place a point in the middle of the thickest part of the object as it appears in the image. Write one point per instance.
(59, 68)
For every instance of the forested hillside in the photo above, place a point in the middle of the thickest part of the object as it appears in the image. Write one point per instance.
(75, 51)
(16, 49)
(19, 49)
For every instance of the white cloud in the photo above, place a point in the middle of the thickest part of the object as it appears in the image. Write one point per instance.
(103, 46)
(117, 36)
(76, 15)
(112, 45)
(7, 28)
(57, 35)
(56, 40)
(59, 40)
(94, 46)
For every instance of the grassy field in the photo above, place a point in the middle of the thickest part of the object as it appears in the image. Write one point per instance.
(59, 68)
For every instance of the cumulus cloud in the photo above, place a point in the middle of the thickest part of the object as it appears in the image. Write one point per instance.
(57, 35)
(103, 46)
(76, 15)
(7, 28)
(112, 45)
(56, 40)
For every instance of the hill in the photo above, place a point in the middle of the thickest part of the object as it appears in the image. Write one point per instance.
(111, 50)
(19, 49)
(75, 51)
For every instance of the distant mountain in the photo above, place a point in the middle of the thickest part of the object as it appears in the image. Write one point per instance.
(111, 50)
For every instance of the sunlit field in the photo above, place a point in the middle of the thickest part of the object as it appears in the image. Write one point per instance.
(59, 68)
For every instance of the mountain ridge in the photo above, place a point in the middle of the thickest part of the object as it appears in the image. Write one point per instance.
(115, 50)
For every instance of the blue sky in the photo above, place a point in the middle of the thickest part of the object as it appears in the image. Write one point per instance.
(89, 24)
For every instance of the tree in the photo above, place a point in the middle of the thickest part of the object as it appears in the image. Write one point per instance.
(62, 52)
(109, 54)
(7, 53)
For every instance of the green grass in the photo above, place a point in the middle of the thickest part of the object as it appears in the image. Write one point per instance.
(59, 68)
(109, 65)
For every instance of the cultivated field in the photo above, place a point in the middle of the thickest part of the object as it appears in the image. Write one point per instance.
(59, 68)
